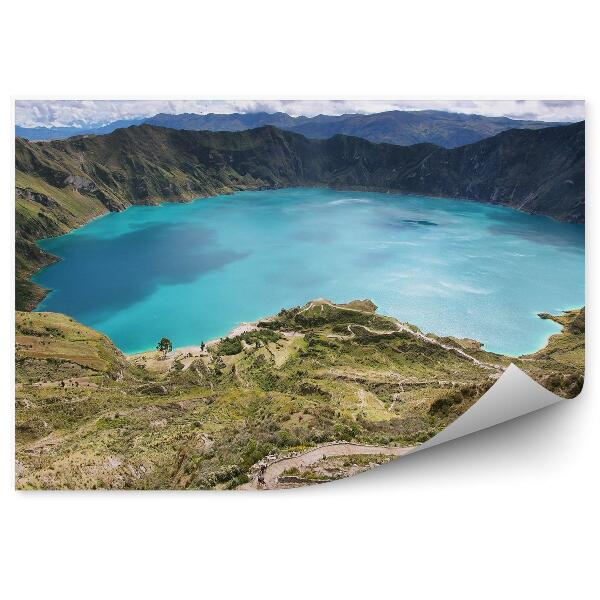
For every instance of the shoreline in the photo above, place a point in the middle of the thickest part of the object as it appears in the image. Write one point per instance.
(192, 351)
(195, 350)
(246, 326)
(223, 196)
(183, 200)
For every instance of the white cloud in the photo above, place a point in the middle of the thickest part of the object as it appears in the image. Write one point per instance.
(31, 113)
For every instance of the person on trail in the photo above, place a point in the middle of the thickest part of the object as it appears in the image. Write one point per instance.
(261, 475)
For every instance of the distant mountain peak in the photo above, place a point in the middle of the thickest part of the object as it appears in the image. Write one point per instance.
(394, 127)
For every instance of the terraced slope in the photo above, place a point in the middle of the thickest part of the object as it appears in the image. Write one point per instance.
(88, 417)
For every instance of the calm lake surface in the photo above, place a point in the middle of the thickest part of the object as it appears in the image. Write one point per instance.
(191, 272)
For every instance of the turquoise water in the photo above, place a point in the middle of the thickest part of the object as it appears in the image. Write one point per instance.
(192, 272)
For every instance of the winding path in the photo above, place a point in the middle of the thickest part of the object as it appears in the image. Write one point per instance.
(404, 328)
(274, 469)
(277, 467)
(422, 336)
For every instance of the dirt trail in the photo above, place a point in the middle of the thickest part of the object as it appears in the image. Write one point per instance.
(277, 467)
(420, 335)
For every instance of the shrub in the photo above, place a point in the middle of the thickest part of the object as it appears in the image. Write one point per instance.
(229, 346)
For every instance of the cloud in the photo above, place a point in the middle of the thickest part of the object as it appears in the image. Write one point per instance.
(79, 113)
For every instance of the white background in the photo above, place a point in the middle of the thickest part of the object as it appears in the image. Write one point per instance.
(508, 513)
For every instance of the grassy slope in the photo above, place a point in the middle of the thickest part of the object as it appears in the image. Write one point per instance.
(88, 418)
(43, 210)
(559, 366)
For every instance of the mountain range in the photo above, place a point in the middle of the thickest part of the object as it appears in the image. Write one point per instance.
(62, 184)
(61, 133)
(445, 129)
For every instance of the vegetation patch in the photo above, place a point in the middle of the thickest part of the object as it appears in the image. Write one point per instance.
(87, 417)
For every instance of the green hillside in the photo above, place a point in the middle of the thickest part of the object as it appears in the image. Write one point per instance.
(88, 417)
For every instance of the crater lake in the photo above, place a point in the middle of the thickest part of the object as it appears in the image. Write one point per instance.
(193, 271)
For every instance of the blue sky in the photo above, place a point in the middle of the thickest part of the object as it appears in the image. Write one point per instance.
(32, 113)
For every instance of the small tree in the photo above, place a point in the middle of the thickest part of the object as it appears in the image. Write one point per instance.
(164, 346)
(202, 346)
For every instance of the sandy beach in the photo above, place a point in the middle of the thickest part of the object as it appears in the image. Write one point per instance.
(153, 360)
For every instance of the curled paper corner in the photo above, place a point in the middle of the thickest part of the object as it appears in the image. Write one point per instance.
(513, 395)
